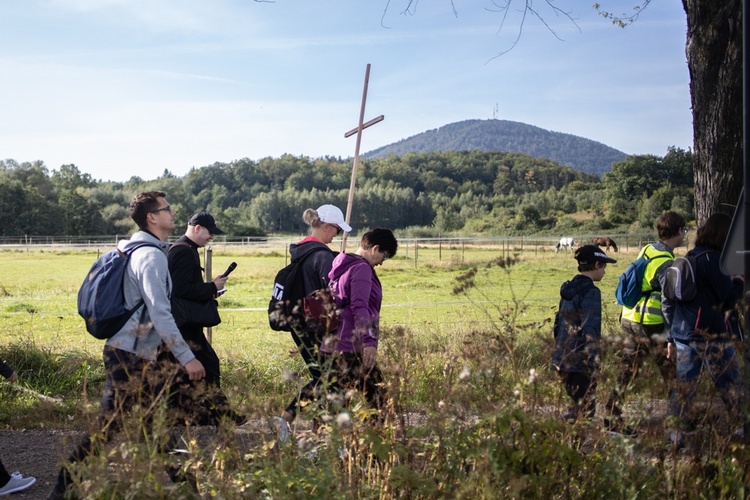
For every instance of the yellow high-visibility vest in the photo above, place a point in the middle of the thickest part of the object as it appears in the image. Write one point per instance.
(648, 309)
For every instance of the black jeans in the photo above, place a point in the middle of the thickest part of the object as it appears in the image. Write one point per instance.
(4, 476)
(202, 402)
(581, 387)
(348, 372)
(308, 344)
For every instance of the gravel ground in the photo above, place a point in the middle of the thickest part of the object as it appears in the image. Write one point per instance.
(39, 453)
(35, 453)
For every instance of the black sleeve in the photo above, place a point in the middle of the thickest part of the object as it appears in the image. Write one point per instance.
(187, 280)
(317, 268)
(5, 369)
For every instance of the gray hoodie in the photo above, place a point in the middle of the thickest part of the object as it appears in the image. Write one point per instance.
(148, 279)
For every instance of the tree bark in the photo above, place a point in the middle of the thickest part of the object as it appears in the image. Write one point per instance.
(714, 57)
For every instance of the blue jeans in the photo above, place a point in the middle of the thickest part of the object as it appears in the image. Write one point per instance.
(719, 359)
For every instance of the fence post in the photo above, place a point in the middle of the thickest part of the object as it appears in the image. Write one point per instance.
(207, 260)
(416, 253)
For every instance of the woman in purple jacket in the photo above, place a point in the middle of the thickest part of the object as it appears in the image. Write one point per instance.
(353, 350)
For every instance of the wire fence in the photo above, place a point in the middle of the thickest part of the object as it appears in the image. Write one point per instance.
(521, 244)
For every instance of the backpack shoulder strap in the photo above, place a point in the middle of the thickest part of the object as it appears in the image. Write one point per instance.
(178, 244)
(127, 253)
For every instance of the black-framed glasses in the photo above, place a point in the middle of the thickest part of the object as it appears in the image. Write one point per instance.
(386, 255)
(162, 209)
(338, 229)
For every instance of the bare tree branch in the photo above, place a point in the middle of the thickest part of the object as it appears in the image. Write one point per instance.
(503, 7)
(528, 8)
(624, 19)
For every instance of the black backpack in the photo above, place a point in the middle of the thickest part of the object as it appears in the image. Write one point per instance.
(286, 311)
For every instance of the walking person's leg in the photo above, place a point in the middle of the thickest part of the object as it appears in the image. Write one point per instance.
(633, 349)
(689, 365)
(582, 390)
(309, 348)
(722, 364)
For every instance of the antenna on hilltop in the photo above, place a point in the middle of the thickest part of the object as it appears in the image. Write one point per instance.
(495, 112)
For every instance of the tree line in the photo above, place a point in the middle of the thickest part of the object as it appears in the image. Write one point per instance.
(421, 194)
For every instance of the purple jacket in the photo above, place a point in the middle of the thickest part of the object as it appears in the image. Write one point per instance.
(355, 284)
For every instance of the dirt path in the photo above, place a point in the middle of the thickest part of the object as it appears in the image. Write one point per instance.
(35, 453)
(39, 453)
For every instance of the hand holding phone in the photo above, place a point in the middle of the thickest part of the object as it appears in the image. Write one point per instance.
(229, 269)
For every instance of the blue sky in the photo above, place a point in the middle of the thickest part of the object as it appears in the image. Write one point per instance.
(125, 88)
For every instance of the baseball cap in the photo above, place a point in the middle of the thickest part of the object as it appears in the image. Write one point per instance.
(588, 254)
(204, 219)
(330, 214)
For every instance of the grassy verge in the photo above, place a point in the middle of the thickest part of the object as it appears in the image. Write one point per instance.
(465, 354)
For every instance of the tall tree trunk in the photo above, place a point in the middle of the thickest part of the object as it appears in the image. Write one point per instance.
(714, 57)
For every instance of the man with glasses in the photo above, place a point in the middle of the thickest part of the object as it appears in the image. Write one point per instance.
(134, 374)
(643, 326)
(203, 401)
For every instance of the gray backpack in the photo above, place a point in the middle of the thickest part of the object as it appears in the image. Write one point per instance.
(680, 282)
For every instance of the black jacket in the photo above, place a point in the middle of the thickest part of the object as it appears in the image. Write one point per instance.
(316, 267)
(187, 273)
(187, 283)
(5, 369)
(578, 327)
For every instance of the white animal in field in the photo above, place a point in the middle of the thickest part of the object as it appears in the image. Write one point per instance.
(566, 243)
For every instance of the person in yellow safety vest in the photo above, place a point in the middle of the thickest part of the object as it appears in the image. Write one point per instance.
(643, 327)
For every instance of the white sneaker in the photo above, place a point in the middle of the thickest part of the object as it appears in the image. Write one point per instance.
(283, 431)
(17, 483)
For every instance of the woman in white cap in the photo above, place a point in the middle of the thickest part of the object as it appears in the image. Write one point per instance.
(325, 223)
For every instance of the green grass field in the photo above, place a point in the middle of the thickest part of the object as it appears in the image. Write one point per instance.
(38, 291)
(38, 306)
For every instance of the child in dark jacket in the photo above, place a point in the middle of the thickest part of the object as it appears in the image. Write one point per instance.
(578, 329)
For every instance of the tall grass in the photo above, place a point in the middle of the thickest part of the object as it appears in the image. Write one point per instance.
(473, 414)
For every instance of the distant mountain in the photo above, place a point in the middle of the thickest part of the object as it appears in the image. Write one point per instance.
(503, 135)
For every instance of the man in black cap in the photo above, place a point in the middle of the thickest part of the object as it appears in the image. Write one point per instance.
(204, 402)
(578, 329)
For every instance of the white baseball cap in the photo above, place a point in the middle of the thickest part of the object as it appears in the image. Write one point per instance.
(330, 214)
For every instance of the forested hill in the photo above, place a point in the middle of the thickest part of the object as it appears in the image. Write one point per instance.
(503, 135)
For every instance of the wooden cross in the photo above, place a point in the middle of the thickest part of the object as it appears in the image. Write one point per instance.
(358, 130)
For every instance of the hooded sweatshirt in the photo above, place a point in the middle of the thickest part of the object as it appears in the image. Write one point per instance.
(578, 326)
(148, 279)
(354, 283)
(315, 268)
